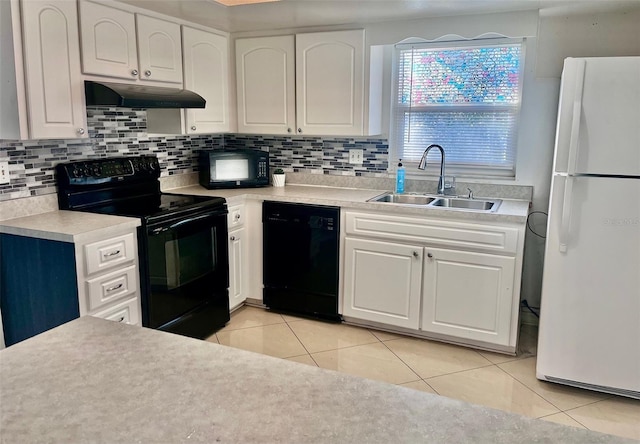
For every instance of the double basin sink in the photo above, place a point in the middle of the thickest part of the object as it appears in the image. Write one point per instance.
(453, 203)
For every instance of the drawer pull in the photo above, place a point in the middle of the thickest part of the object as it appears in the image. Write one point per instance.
(113, 253)
(115, 287)
(237, 216)
(121, 319)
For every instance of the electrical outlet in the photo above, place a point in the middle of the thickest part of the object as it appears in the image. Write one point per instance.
(355, 157)
(4, 172)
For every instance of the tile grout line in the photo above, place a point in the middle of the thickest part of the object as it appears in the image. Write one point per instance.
(548, 400)
(408, 366)
(531, 390)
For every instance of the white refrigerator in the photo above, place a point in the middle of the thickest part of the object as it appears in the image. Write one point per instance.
(590, 310)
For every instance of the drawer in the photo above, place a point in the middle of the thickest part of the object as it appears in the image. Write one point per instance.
(109, 253)
(112, 286)
(127, 312)
(464, 235)
(236, 217)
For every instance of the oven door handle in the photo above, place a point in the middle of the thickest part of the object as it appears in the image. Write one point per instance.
(159, 230)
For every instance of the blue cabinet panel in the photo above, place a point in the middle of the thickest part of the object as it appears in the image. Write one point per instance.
(38, 286)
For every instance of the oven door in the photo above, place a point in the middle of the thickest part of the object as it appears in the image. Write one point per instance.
(187, 268)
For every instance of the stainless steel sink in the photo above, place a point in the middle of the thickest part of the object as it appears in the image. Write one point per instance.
(467, 204)
(453, 203)
(407, 199)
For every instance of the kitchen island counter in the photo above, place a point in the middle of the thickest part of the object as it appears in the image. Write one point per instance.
(92, 380)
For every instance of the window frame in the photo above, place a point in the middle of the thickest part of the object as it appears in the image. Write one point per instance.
(459, 170)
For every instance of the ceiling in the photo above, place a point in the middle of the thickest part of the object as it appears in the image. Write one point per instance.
(309, 13)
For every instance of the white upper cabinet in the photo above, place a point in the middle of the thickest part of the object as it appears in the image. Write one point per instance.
(53, 81)
(206, 72)
(108, 41)
(118, 43)
(330, 83)
(159, 50)
(265, 77)
(308, 84)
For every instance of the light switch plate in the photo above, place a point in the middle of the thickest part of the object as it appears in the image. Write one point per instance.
(355, 157)
(4, 172)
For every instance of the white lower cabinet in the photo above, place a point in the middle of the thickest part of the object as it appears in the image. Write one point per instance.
(468, 294)
(107, 273)
(238, 256)
(237, 268)
(449, 280)
(382, 282)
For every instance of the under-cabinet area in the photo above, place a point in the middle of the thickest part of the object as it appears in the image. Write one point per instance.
(445, 279)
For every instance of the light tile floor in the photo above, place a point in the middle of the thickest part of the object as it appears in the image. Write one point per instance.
(499, 381)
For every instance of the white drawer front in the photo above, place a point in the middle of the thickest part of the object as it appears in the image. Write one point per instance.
(475, 236)
(110, 287)
(126, 311)
(236, 217)
(109, 253)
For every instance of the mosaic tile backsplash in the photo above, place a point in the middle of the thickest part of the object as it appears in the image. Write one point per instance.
(123, 132)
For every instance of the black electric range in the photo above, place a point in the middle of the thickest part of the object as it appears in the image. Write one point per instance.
(182, 242)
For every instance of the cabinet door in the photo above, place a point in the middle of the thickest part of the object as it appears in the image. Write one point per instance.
(330, 83)
(159, 50)
(108, 41)
(206, 72)
(237, 268)
(55, 89)
(382, 282)
(265, 73)
(468, 295)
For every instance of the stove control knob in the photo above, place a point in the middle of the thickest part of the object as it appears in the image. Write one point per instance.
(75, 172)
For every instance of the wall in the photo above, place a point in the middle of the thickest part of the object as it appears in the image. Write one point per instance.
(123, 132)
(318, 155)
(112, 132)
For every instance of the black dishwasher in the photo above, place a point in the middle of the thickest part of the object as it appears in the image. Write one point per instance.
(301, 245)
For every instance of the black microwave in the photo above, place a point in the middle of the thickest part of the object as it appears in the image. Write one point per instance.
(234, 168)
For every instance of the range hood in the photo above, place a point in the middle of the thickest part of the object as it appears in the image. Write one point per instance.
(139, 96)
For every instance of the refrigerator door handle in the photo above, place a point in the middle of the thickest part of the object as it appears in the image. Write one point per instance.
(565, 222)
(577, 114)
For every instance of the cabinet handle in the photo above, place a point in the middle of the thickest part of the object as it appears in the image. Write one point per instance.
(193, 128)
(299, 130)
(121, 319)
(147, 73)
(288, 130)
(430, 256)
(115, 287)
(232, 238)
(134, 72)
(113, 253)
(80, 131)
(237, 216)
(415, 254)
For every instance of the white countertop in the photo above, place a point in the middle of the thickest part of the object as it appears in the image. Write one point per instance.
(93, 380)
(510, 210)
(66, 226)
(73, 226)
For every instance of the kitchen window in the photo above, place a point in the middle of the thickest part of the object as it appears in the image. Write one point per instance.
(464, 96)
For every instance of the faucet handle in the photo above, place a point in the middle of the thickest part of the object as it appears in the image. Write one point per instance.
(470, 195)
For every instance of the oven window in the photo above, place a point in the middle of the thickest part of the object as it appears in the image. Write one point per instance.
(176, 260)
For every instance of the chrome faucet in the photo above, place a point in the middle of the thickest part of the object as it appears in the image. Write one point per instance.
(423, 164)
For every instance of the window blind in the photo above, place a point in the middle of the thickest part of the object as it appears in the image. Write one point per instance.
(465, 98)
